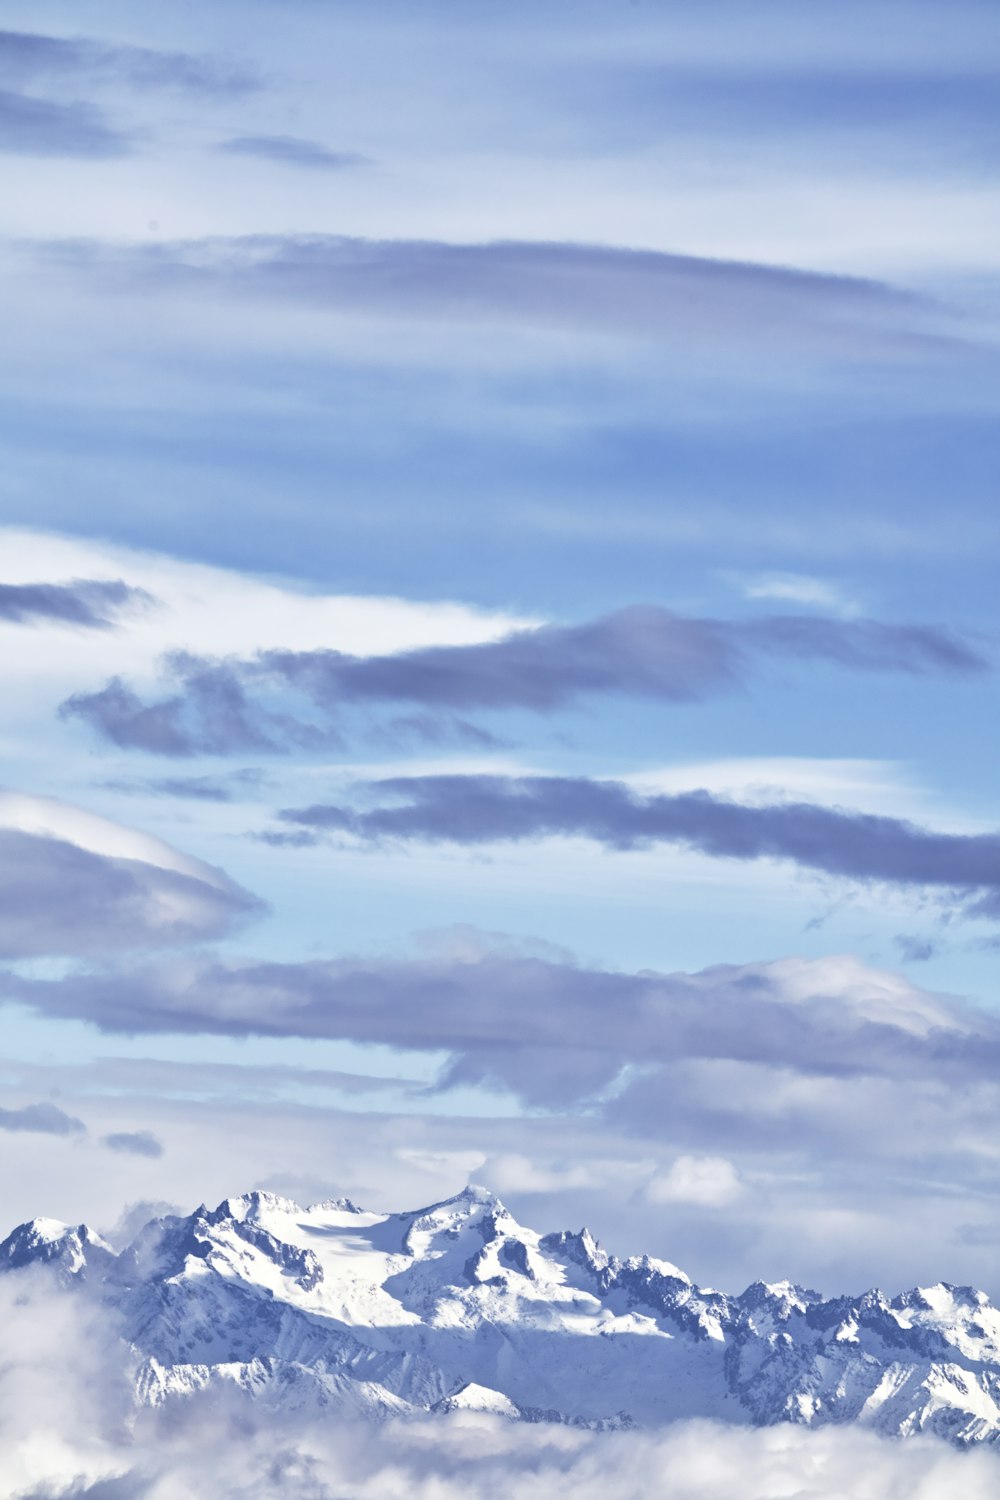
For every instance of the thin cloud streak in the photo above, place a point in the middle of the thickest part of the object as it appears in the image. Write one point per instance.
(28, 55)
(44, 1119)
(134, 1143)
(42, 127)
(90, 603)
(294, 151)
(646, 294)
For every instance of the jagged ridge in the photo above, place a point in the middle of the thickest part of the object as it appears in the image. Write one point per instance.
(458, 1307)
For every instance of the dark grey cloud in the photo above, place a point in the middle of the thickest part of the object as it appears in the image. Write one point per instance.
(650, 294)
(642, 651)
(26, 56)
(134, 1142)
(292, 150)
(849, 845)
(31, 126)
(92, 603)
(58, 898)
(45, 1119)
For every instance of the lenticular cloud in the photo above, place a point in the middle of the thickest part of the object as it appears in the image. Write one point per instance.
(76, 884)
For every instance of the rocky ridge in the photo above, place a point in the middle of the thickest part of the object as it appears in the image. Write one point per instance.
(457, 1307)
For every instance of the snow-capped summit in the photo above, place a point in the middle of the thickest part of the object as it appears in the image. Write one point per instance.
(73, 1249)
(458, 1307)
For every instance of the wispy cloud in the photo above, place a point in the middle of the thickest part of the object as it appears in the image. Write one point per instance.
(31, 126)
(225, 788)
(648, 294)
(45, 1119)
(90, 603)
(27, 55)
(799, 588)
(134, 1143)
(294, 151)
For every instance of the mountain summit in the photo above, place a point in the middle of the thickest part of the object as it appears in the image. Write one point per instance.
(458, 1307)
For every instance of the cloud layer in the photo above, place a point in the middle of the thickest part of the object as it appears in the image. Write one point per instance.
(65, 1438)
(551, 1031)
(589, 288)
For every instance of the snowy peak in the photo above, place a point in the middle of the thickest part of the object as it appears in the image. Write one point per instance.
(473, 1209)
(72, 1250)
(458, 1307)
(473, 1397)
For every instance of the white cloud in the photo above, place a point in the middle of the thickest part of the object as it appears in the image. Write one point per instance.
(449, 1165)
(209, 610)
(513, 1173)
(800, 588)
(706, 1181)
(48, 817)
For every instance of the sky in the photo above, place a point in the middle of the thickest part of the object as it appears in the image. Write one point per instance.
(498, 627)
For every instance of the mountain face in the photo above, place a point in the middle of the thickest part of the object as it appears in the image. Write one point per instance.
(458, 1306)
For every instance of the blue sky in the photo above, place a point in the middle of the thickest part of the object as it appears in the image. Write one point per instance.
(584, 417)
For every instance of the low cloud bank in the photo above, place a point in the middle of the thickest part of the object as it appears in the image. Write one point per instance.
(66, 1443)
(66, 1434)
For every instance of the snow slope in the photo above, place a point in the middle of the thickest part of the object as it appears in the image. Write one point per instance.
(458, 1307)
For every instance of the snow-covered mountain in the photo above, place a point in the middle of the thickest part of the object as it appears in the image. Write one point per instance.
(458, 1306)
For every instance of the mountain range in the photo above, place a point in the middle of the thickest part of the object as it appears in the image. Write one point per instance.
(458, 1307)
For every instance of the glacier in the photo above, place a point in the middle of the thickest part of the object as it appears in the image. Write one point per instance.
(458, 1307)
